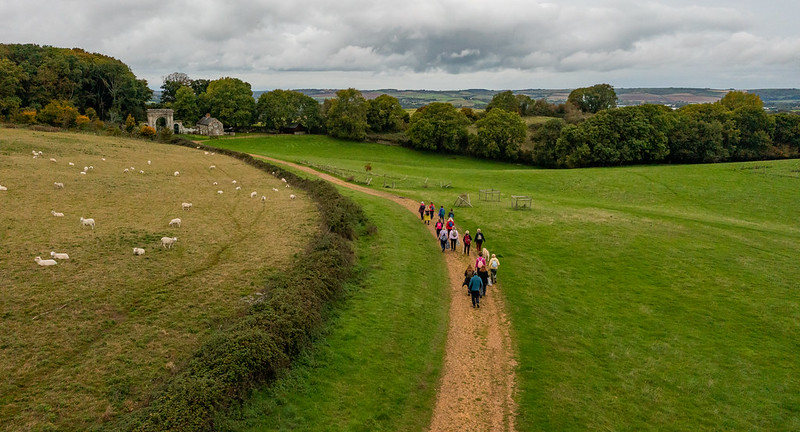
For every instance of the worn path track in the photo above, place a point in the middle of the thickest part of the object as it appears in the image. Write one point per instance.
(476, 392)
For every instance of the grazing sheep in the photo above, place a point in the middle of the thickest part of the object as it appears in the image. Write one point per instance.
(215, 183)
(283, 179)
(148, 162)
(219, 192)
(61, 256)
(263, 198)
(275, 189)
(83, 172)
(238, 187)
(204, 152)
(176, 173)
(57, 214)
(87, 222)
(58, 185)
(141, 172)
(133, 169)
(186, 206)
(86, 168)
(125, 170)
(167, 242)
(39, 153)
(91, 167)
(287, 185)
(292, 196)
(34, 153)
(103, 158)
(3, 188)
(212, 167)
(138, 251)
(234, 182)
(53, 160)
(71, 164)
(47, 262)
(253, 194)
(175, 222)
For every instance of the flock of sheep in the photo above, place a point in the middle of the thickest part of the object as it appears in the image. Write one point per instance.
(166, 242)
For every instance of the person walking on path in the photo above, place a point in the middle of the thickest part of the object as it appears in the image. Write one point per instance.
(467, 242)
(479, 239)
(484, 275)
(451, 215)
(494, 263)
(443, 239)
(421, 210)
(428, 217)
(453, 238)
(439, 226)
(474, 287)
(449, 224)
(441, 212)
(480, 261)
(468, 273)
(431, 209)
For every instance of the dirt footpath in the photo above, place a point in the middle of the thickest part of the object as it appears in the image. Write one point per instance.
(476, 392)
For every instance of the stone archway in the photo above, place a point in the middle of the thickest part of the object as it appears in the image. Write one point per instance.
(154, 114)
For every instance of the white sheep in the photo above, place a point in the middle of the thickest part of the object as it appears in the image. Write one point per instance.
(292, 196)
(219, 192)
(56, 214)
(148, 162)
(53, 160)
(47, 262)
(39, 153)
(234, 182)
(283, 179)
(61, 256)
(3, 188)
(34, 153)
(86, 168)
(138, 251)
(71, 164)
(212, 167)
(83, 172)
(103, 158)
(175, 222)
(91, 167)
(167, 242)
(133, 169)
(141, 172)
(186, 206)
(263, 198)
(125, 170)
(204, 152)
(253, 194)
(176, 173)
(58, 185)
(87, 222)
(215, 183)
(238, 188)
(287, 185)
(275, 189)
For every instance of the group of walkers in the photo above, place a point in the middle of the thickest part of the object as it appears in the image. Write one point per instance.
(484, 273)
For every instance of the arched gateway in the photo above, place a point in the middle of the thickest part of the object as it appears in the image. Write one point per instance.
(154, 114)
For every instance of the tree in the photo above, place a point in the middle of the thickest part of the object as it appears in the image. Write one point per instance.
(544, 140)
(281, 108)
(11, 76)
(172, 83)
(501, 134)
(347, 115)
(59, 113)
(593, 99)
(439, 127)
(737, 99)
(231, 101)
(185, 105)
(504, 100)
(384, 114)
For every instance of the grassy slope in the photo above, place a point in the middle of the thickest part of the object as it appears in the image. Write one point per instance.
(377, 367)
(126, 320)
(642, 298)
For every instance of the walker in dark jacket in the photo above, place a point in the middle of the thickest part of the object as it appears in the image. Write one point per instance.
(475, 285)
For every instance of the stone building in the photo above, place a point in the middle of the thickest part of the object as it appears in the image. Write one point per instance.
(210, 126)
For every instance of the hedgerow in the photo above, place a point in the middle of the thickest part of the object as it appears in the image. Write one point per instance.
(256, 346)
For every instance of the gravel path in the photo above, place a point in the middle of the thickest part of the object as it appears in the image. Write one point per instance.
(476, 392)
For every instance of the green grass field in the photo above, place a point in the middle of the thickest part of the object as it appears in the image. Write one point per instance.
(91, 337)
(641, 298)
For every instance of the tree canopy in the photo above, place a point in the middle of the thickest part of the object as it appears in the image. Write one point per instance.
(593, 99)
(281, 108)
(347, 115)
(230, 100)
(384, 114)
(439, 127)
(501, 134)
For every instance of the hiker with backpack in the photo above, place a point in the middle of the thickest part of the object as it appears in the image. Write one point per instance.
(474, 285)
(453, 238)
(443, 239)
(494, 263)
(422, 210)
(467, 242)
(479, 239)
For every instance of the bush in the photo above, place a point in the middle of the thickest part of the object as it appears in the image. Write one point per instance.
(82, 122)
(147, 131)
(25, 116)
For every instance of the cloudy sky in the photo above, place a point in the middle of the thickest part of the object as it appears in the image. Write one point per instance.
(430, 44)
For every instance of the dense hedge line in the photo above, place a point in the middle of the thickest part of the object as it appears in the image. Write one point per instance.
(272, 333)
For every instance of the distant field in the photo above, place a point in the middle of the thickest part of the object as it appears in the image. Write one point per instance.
(89, 338)
(641, 298)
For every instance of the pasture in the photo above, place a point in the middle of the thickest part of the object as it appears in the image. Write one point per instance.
(641, 298)
(91, 337)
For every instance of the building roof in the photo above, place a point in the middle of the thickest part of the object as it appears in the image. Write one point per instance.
(206, 121)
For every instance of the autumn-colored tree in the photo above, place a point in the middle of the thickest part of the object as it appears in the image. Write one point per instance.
(130, 124)
(147, 131)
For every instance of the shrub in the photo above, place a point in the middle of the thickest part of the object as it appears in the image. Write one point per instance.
(25, 116)
(82, 122)
(147, 131)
